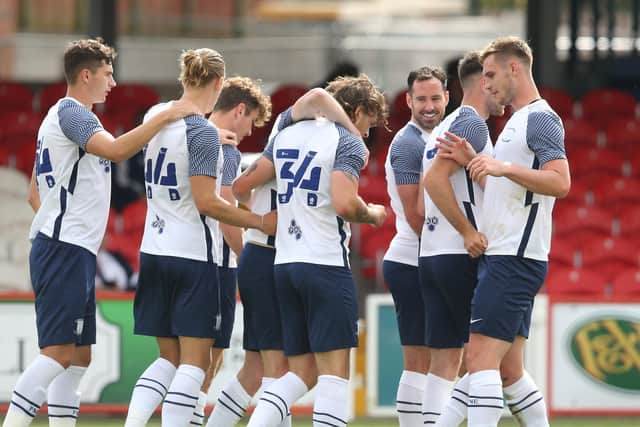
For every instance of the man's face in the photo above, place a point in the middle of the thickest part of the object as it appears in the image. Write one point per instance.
(498, 79)
(427, 101)
(243, 124)
(494, 107)
(101, 82)
(364, 122)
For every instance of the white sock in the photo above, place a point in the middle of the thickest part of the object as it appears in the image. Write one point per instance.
(455, 410)
(526, 402)
(485, 398)
(197, 419)
(266, 382)
(331, 407)
(149, 391)
(63, 397)
(183, 394)
(275, 401)
(436, 395)
(409, 398)
(230, 406)
(30, 391)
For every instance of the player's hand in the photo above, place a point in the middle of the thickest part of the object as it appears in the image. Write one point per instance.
(228, 137)
(475, 243)
(481, 166)
(455, 148)
(181, 108)
(269, 223)
(378, 213)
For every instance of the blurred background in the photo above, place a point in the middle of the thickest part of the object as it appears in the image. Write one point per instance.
(586, 65)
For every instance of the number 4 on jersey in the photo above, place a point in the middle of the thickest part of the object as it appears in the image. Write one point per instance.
(312, 183)
(153, 175)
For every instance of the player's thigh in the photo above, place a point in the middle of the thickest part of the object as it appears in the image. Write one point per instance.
(292, 311)
(227, 282)
(404, 284)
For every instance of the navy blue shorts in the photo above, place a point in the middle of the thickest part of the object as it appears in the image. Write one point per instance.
(448, 282)
(63, 277)
(404, 283)
(227, 279)
(503, 301)
(177, 297)
(262, 326)
(318, 306)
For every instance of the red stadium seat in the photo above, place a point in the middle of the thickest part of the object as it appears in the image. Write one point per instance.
(609, 256)
(578, 195)
(629, 223)
(583, 223)
(134, 215)
(399, 108)
(50, 94)
(563, 253)
(131, 100)
(285, 96)
(127, 245)
(19, 125)
(589, 166)
(567, 281)
(15, 97)
(25, 155)
(617, 194)
(627, 283)
(623, 136)
(373, 189)
(634, 165)
(372, 250)
(579, 135)
(602, 106)
(560, 100)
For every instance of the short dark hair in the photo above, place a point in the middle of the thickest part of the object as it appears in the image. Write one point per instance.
(469, 65)
(86, 53)
(243, 90)
(427, 73)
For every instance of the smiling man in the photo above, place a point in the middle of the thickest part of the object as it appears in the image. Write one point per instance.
(427, 98)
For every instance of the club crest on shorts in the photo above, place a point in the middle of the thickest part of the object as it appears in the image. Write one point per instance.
(79, 326)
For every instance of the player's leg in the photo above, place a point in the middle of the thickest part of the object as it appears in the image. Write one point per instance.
(63, 397)
(61, 275)
(152, 314)
(404, 285)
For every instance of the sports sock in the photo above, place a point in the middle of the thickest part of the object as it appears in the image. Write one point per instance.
(485, 398)
(332, 402)
(526, 402)
(455, 410)
(63, 397)
(436, 394)
(149, 391)
(275, 401)
(409, 398)
(231, 405)
(182, 397)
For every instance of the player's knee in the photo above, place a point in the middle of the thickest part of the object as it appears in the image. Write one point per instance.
(510, 374)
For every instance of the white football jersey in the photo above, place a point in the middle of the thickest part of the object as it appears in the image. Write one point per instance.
(402, 166)
(517, 221)
(305, 155)
(439, 237)
(74, 186)
(174, 226)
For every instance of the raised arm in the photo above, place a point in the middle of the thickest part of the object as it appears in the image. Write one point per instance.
(319, 103)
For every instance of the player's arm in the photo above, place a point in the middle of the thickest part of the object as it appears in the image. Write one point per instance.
(259, 173)
(350, 159)
(34, 195)
(232, 235)
(545, 137)
(320, 103)
(420, 201)
(405, 157)
(104, 145)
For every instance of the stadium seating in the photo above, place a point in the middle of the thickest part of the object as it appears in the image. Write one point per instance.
(15, 97)
(583, 223)
(591, 165)
(130, 100)
(603, 106)
(563, 252)
(609, 256)
(372, 250)
(627, 282)
(579, 135)
(617, 194)
(284, 96)
(19, 125)
(578, 195)
(50, 95)
(399, 108)
(560, 100)
(568, 281)
(629, 223)
(623, 136)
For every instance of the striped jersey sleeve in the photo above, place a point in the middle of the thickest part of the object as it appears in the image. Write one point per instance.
(231, 162)
(203, 144)
(405, 156)
(470, 126)
(350, 153)
(283, 120)
(77, 122)
(545, 136)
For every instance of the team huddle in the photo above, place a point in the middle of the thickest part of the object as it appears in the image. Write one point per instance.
(473, 224)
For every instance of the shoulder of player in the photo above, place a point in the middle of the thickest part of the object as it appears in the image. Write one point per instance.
(408, 135)
(544, 120)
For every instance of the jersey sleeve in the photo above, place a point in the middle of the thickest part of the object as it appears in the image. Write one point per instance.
(472, 128)
(230, 164)
(203, 143)
(545, 136)
(77, 122)
(406, 158)
(283, 120)
(350, 154)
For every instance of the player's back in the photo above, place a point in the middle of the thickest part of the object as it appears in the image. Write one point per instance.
(518, 221)
(309, 230)
(74, 185)
(438, 235)
(174, 226)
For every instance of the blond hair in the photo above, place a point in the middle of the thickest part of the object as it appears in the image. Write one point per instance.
(509, 46)
(199, 67)
(354, 92)
(237, 90)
